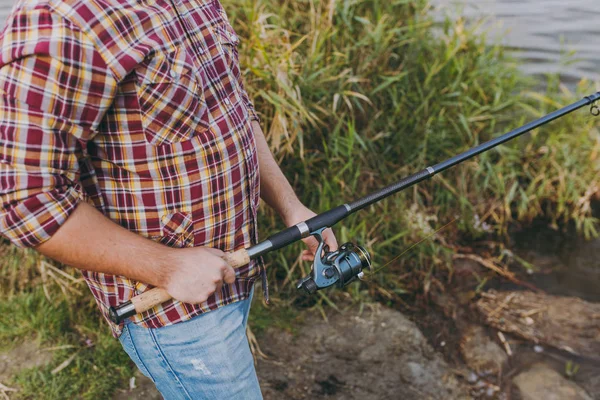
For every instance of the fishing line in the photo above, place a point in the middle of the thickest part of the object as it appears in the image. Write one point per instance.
(413, 246)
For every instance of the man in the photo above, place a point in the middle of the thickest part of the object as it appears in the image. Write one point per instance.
(130, 149)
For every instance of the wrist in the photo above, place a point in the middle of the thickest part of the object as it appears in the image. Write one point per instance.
(286, 205)
(163, 261)
(298, 213)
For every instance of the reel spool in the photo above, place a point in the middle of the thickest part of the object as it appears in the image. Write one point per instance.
(339, 267)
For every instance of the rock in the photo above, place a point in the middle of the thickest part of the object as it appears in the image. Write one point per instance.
(543, 383)
(480, 353)
(374, 354)
(566, 323)
(591, 383)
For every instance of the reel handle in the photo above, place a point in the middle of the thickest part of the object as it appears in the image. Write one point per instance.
(156, 296)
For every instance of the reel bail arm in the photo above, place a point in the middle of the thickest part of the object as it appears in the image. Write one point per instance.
(339, 267)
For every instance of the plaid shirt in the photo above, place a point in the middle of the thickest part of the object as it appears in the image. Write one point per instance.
(139, 109)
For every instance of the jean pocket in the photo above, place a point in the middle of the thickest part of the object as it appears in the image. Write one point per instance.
(171, 97)
(132, 351)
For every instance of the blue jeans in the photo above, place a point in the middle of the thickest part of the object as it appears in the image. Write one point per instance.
(206, 357)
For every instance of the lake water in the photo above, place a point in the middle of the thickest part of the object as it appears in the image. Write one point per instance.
(540, 32)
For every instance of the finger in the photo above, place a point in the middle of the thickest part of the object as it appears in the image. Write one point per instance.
(228, 274)
(207, 291)
(307, 255)
(330, 239)
(217, 281)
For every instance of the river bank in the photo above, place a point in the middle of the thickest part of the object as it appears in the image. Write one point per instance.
(354, 96)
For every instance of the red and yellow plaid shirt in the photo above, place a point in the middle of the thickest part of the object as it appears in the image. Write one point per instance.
(138, 108)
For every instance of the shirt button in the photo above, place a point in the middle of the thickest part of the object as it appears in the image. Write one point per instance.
(227, 101)
(173, 74)
(200, 50)
(234, 38)
(248, 153)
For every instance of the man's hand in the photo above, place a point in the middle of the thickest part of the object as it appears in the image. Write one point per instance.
(90, 241)
(197, 273)
(300, 214)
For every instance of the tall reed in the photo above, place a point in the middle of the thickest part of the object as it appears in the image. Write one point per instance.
(357, 94)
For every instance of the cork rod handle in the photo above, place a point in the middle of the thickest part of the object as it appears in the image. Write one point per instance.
(156, 296)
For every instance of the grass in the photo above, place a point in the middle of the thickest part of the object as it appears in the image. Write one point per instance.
(68, 325)
(358, 94)
(354, 95)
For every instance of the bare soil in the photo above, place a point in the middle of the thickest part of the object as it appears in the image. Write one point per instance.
(139, 388)
(25, 355)
(376, 353)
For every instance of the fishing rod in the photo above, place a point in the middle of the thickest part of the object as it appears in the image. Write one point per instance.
(346, 264)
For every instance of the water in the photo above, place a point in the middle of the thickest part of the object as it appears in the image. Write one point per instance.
(566, 264)
(539, 32)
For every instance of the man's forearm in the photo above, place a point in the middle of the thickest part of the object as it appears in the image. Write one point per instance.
(277, 192)
(88, 240)
(275, 189)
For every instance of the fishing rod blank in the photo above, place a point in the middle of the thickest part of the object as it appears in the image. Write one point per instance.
(333, 216)
(346, 264)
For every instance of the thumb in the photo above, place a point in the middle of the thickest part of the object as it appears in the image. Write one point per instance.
(228, 274)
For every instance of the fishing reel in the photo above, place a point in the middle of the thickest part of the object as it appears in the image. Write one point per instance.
(339, 267)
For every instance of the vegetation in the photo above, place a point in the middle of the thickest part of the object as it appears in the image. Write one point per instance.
(354, 94)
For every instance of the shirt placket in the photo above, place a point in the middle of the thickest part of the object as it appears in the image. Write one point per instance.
(201, 54)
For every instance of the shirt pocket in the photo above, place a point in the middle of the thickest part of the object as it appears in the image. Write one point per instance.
(229, 41)
(177, 230)
(171, 98)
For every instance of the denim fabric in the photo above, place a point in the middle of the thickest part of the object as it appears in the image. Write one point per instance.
(206, 357)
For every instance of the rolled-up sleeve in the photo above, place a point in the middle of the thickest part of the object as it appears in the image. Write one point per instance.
(54, 90)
